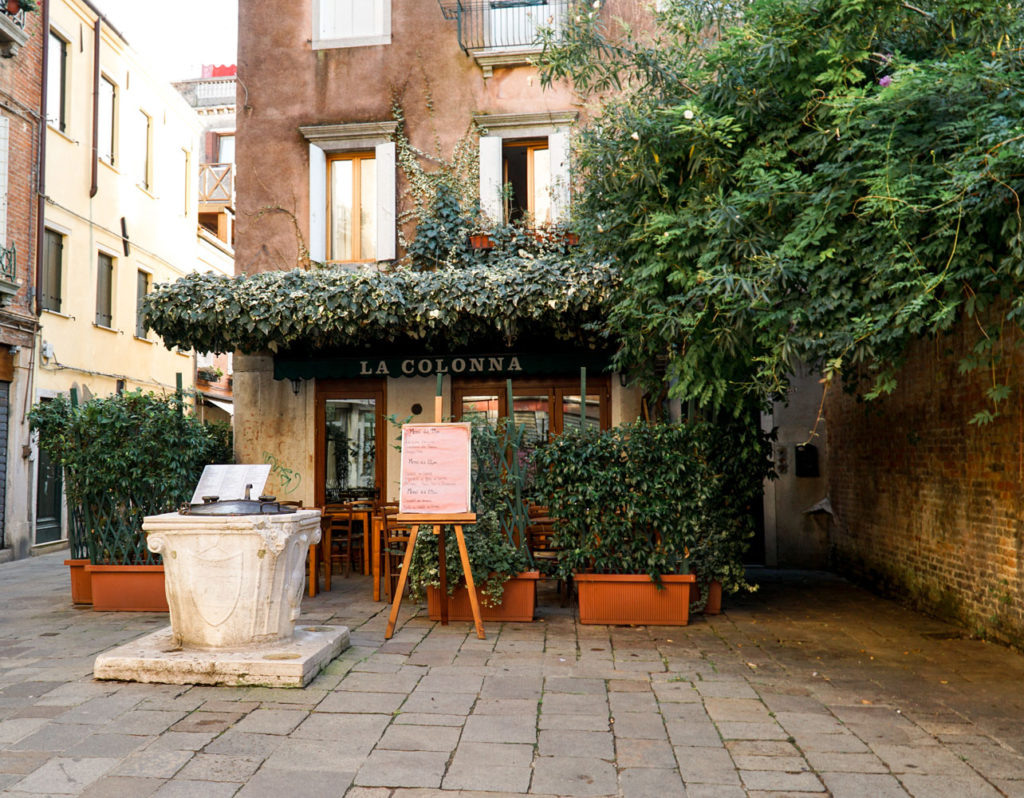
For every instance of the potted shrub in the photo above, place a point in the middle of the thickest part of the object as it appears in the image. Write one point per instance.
(739, 455)
(630, 505)
(502, 566)
(125, 457)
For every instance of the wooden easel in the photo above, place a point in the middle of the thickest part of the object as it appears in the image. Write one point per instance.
(437, 523)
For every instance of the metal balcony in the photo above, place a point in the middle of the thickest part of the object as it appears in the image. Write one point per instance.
(216, 186)
(489, 26)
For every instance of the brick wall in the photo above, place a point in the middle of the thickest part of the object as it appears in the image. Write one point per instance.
(926, 505)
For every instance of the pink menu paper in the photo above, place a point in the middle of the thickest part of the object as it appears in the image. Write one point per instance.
(436, 469)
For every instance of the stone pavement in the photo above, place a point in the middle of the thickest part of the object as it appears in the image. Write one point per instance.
(809, 686)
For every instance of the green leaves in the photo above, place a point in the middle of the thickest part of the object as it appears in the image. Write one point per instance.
(124, 457)
(825, 183)
(654, 499)
(559, 297)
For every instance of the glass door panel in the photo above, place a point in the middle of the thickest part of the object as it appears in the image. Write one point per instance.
(480, 408)
(350, 449)
(571, 412)
(533, 413)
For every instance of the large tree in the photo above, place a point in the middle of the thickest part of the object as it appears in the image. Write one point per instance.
(803, 181)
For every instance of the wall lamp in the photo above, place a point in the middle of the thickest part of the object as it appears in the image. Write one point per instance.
(296, 386)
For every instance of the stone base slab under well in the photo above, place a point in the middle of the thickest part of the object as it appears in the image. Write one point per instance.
(283, 663)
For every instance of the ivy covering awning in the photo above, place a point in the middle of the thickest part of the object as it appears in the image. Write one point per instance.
(563, 300)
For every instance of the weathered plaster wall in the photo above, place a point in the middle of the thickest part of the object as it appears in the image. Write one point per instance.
(274, 425)
(284, 84)
(926, 504)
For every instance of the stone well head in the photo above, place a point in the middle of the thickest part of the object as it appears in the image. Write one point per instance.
(233, 580)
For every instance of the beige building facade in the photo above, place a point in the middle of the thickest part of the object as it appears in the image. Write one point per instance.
(121, 215)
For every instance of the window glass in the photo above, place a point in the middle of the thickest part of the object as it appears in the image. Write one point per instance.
(349, 448)
(106, 109)
(56, 83)
(571, 412)
(480, 408)
(352, 234)
(526, 180)
(225, 149)
(534, 415)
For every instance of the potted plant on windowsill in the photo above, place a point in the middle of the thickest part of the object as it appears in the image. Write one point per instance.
(630, 505)
(502, 566)
(124, 457)
(14, 6)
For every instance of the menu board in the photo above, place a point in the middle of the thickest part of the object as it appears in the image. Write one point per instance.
(228, 481)
(435, 477)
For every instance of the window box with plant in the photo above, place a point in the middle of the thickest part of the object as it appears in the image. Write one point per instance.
(632, 505)
(125, 457)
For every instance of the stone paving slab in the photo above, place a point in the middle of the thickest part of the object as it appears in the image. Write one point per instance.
(809, 687)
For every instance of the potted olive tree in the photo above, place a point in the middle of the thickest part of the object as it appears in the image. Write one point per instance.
(124, 457)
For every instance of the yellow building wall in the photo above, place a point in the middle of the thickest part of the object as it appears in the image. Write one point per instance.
(160, 217)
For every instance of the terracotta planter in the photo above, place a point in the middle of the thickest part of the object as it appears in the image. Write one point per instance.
(517, 603)
(13, 6)
(714, 603)
(481, 241)
(81, 582)
(634, 599)
(128, 588)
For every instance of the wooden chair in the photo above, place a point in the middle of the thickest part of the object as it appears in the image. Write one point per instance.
(540, 533)
(395, 537)
(340, 539)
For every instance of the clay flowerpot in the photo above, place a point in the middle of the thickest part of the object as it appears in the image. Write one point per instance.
(13, 6)
(517, 603)
(81, 582)
(481, 241)
(634, 599)
(128, 588)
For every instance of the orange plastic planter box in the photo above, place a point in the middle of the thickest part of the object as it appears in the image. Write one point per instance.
(128, 588)
(81, 581)
(621, 599)
(517, 603)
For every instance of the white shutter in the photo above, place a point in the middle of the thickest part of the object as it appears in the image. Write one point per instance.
(490, 177)
(386, 232)
(558, 151)
(317, 204)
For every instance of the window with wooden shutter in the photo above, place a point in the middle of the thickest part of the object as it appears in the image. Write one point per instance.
(104, 290)
(141, 289)
(53, 263)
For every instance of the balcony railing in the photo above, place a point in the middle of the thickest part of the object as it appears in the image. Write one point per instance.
(8, 274)
(216, 185)
(18, 17)
(8, 264)
(496, 25)
(12, 31)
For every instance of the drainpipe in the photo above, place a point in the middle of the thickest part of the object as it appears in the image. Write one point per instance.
(41, 167)
(94, 187)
